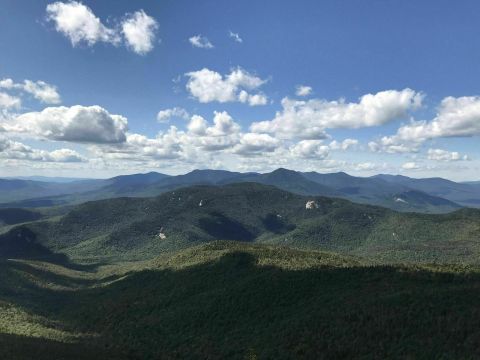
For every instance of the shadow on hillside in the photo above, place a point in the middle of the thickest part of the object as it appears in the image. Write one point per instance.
(28, 348)
(219, 226)
(233, 308)
(22, 243)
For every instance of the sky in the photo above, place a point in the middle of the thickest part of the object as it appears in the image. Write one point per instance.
(101, 88)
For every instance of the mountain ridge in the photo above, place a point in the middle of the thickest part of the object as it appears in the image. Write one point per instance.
(377, 190)
(129, 228)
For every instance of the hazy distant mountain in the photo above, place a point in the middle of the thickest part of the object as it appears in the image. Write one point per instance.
(15, 190)
(288, 180)
(424, 195)
(378, 191)
(466, 194)
(413, 200)
(50, 179)
(124, 184)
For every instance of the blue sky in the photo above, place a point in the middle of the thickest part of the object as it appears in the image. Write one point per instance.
(388, 86)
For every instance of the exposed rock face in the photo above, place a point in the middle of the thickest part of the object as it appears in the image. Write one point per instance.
(161, 234)
(200, 203)
(311, 205)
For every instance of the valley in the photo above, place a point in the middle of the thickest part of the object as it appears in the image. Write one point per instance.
(240, 270)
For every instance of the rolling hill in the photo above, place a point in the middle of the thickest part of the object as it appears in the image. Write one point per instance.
(138, 228)
(238, 301)
(313, 276)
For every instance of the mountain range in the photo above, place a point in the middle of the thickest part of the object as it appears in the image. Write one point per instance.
(401, 193)
(138, 228)
(156, 266)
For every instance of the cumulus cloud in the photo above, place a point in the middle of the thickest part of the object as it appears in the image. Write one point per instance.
(82, 124)
(223, 134)
(40, 90)
(235, 36)
(200, 41)
(456, 117)
(311, 149)
(368, 166)
(166, 115)
(303, 90)
(309, 119)
(140, 148)
(223, 124)
(199, 139)
(207, 86)
(392, 146)
(444, 155)
(252, 100)
(7, 101)
(7, 83)
(251, 144)
(10, 149)
(344, 145)
(223, 137)
(78, 23)
(139, 32)
(197, 125)
(411, 165)
(165, 146)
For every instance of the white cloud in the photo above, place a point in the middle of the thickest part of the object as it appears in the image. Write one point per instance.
(410, 166)
(303, 90)
(444, 155)
(255, 144)
(197, 125)
(391, 146)
(78, 22)
(309, 119)
(235, 36)
(139, 148)
(7, 83)
(164, 146)
(200, 41)
(8, 101)
(252, 100)
(344, 145)
(10, 149)
(223, 124)
(87, 124)
(199, 139)
(139, 32)
(66, 155)
(40, 90)
(208, 86)
(223, 134)
(368, 166)
(166, 115)
(457, 117)
(312, 149)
